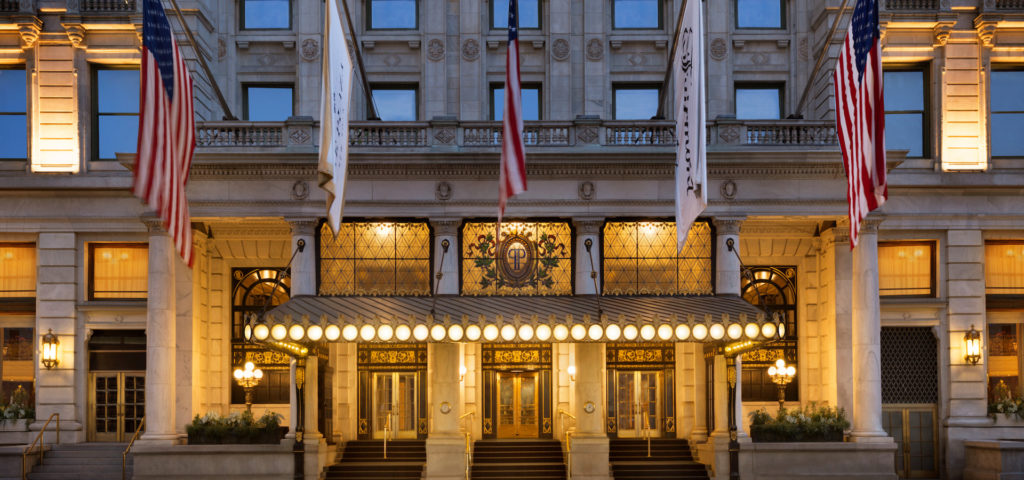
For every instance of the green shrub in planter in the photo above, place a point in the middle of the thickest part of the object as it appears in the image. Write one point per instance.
(810, 424)
(235, 428)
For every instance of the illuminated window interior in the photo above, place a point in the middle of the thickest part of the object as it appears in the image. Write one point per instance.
(1004, 268)
(1003, 342)
(772, 288)
(906, 269)
(17, 270)
(641, 258)
(549, 272)
(255, 290)
(375, 258)
(118, 271)
(18, 367)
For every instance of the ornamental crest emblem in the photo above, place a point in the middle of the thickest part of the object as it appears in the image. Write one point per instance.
(517, 260)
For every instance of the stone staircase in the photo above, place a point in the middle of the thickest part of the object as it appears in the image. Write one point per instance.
(670, 458)
(518, 460)
(82, 461)
(364, 460)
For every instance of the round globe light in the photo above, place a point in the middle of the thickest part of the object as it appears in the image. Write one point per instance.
(751, 330)
(768, 330)
(315, 332)
(734, 331)
(717, 331)
(349, 333)
(455, 332)
(473, 333)
(682, 332)
(647, 332)
(403, 332)
(385, 332)
(278, 332)
(664, 331)
(490, 332)
(261, 332)
(613, 332)
(296, 332)
(332, 332)
(560, 332)
(366, 332)
(508, 332)
(420, 332)
(595, 332)
(543, 333)
(700, 331)
(526, 332)
(437, 333)
(578, 332)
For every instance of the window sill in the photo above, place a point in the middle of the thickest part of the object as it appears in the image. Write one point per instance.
(106, 166)
(14, 165)
(119, 305)
(914, 302)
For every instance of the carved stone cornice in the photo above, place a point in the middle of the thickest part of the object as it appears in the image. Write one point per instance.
(445, 227)
(28, 29)
(305, 227)
(941, 31)
(243, 231)
(728, 225)
(588, 225)
(76, 34)
(154, 225)
(871, 223)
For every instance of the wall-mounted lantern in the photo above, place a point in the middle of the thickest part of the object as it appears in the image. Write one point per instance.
(972, 346)
(51, 347)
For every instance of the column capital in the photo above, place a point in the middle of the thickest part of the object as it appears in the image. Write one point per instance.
(728, 225)
(154, 225)
(446, 227)
(28, 30)
(871, 223)
(305, 226)
(588, 225)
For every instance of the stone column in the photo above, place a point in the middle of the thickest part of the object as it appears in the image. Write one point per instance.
(160, 337)
(590, 444)
(700, 393)
(737, 379)
(867, 371)
(721, 397)
(836, 322)
(446, 229)
(588, 229)
(445, 447)
(727, 264)
(303, 276)
(183, 314)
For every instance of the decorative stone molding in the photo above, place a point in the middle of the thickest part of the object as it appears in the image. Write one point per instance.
(222, 48)
(719, 49)
(587, 191)
(435, 50)
(246, 231)
(803, 48)
(987, 33)
(76, 34)
(728, 190)
(154, 225)
(759, 59)
(299, 136)
(29, 32)
(728, 225)
(615, 44)
(470, 50)
(300, 190)
(871, 223)
(310, 49)
(588, 226)
(941, 31)
(738, 44)
(303, 226)
(446, 227)
(537, 44)
(560, 49)
(414, 44)
(369, 44)
(587, 134)
(445, 135)
(595, 50)
(443, 191)
(729, 134)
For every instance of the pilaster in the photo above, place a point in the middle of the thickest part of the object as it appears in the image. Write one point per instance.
(727, 264)
(590, 444)
(303, 267)
(446, 230)
(588, 259)
(445, 456)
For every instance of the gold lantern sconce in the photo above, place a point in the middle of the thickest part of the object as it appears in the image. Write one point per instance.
(51, 350)
(972, 346)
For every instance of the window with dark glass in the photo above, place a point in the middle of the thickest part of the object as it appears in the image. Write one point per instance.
(1007, 120)
(906, 119)
(393, 14)
(773, 288)
(640, 258)
(906, 269)
(395, 103)
(634, 102)
(760, 13)
(269, 103)
(375, 258)
(530, 98)
(636, 13)
(255, 290)
(529, 14)
(13, 117)
(266, 14)
(115, 111)
(758, 102)
(118, 271)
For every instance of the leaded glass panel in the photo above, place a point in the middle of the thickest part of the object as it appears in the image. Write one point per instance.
(375, 258)
(640, 258)
(532, 258)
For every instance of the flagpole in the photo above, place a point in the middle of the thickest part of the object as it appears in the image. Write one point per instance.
(202, 62)
(821, 58)
(671, 58)
(372, 114)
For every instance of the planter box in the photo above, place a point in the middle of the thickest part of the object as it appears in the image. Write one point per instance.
(16, 431)
(993, 460)
(231, 438)
(213, 462)
(19, 425)
(818, 461)
(760, 434)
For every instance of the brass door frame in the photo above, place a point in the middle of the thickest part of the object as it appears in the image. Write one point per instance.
(378, 430)
(121, 435)
(638, 403)
(517, 429)
(904, 442)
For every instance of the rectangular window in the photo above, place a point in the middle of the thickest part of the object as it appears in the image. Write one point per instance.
(266, 14)
(269, 103)
(1007, 113)
(395, 103)
(906, 269)
(17, 270)
(118, 271)
(253, 290)
(636, 13)
(633, 102)
(1005, 332)
(640, 258)
(375, 258)
(1004, 268)
(532, 258)
(760, 13)
(530, 97)
(392, 14)
(115, 111)
(13, 116)
(906, 119)
(758, 102)
(529, 14)
(18, 364)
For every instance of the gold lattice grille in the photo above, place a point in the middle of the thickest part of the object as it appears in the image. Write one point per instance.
(640, 258)
(375, 258)
(550, 248)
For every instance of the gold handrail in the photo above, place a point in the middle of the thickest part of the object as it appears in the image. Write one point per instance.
(644, 415)
(387, 433)
(124, 455)
(469, 441)
(561, 411)
(39, 440)
(568, 442)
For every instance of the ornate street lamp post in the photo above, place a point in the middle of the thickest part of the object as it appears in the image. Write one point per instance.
(248, 378)
(782, 374)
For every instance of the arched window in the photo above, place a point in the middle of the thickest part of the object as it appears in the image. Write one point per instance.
(773, 289)
(254, 290)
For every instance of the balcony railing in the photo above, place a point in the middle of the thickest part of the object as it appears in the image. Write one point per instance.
(9, 5)
(455, 134)
(117, 6)
(911, 4)
(1009, 4)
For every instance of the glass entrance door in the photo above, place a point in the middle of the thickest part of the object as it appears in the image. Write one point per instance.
(117, 403)
(637, 395)
(517, 405)
(394, 405)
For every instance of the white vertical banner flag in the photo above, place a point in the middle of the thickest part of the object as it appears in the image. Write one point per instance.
(691, 155)
(334, 105)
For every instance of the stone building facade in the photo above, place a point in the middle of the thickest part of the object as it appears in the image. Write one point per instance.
(943, 257)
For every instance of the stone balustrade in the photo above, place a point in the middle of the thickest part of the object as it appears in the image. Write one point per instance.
(1009, 4)
(912, 4)
(108, 6)
(9, 5)
(773, 132)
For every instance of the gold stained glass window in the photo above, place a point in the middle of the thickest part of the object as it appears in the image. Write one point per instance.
(17, 270)
(906, 269)
(375, 258)
(532, 258)
(1004, 268)
(641, 258)
(118, 271)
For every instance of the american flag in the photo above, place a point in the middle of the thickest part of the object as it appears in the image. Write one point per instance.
(167, 128)
(860, 114)
(512, 179)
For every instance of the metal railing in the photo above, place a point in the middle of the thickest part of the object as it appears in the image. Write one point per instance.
(387, 433)
(42, 445)
(468, 432)
(912, 4)
(9, 5)
(124, 455)
(644, 413)
(1009, 4)
(568, 442)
